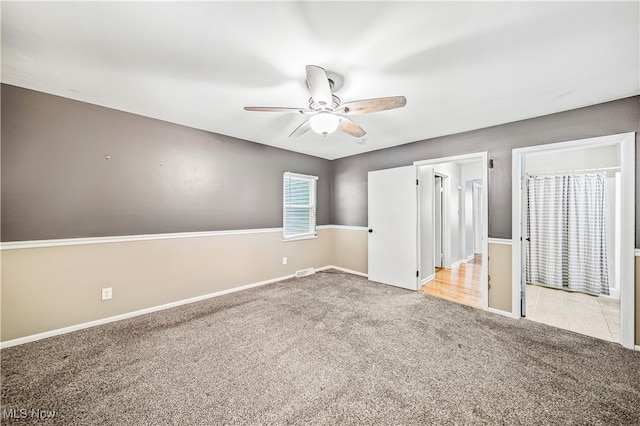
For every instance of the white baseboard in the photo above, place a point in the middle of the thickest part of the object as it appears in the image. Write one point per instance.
(427, 279)
(637, 348)
(501, 312)
(64, 330)
(469, 259)
(457, 263)
(349, 271)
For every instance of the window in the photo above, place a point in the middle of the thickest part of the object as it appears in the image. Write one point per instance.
(299, 209)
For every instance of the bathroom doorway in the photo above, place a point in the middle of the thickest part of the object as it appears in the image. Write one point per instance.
(573, 263)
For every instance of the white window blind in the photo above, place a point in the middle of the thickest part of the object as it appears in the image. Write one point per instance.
(299, 209)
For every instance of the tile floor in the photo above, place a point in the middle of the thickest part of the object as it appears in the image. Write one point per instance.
(591, 315)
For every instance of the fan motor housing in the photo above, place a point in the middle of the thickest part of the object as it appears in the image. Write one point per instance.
(315, 106)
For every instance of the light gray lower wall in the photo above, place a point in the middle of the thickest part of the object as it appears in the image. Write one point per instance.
(500, 277)
(350, 249)
(72, 169)
(349, 175)
(50, 288)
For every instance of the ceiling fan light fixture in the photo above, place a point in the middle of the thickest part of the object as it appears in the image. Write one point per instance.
(324, 123)
(327, 112)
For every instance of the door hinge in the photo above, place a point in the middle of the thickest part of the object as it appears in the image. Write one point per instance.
(417, 273)
(417, 182)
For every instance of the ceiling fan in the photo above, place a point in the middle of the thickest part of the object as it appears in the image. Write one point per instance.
(327, 112)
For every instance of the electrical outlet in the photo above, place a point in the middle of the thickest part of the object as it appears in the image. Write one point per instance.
(284, 260)
(107, 293)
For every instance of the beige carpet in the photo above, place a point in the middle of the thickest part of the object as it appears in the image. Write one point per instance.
(327, 349)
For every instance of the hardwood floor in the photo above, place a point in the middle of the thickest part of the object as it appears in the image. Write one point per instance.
(461, 284)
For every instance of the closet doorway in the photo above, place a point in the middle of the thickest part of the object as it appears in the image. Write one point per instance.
(453, 229)
(572, 260)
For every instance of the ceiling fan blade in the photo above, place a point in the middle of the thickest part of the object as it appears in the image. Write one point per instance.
(367, 106)
(275, 109)
(349, 127)
(318, 85)
(301, 129)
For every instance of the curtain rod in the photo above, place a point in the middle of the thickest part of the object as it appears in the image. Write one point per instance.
(602, 169)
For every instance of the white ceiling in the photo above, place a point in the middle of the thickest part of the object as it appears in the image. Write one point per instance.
(461, 65)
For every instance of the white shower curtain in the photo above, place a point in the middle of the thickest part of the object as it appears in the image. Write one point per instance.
(566, 225)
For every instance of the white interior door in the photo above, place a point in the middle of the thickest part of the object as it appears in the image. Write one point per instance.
(393, 227)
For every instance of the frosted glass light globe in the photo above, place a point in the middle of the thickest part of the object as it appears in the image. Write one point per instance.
(324, 123)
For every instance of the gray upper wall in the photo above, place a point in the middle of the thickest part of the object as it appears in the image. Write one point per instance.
(160, 178)
(56, 182)
(349, 186)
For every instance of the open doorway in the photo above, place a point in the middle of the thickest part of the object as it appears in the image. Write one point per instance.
(453, 229)
(573, 263)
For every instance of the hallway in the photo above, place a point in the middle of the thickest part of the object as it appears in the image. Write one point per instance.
(460, 284)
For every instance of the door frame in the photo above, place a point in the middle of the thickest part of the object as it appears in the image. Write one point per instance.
(483, 158)
(476, 212)
(444, 222)
(626, 142)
